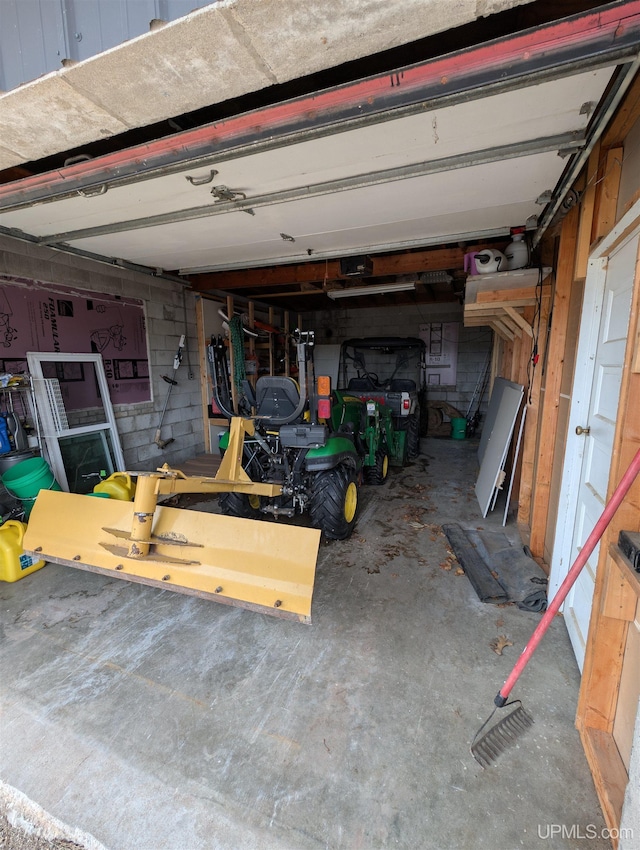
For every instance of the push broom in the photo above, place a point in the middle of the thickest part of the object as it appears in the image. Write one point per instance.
(486, 747)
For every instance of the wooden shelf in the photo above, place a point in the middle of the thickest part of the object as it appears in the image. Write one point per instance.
(498, 300)
(506, 280)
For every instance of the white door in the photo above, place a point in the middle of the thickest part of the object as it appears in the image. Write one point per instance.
(594, 409)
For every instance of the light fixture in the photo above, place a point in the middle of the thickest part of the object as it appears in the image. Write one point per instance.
(376, 289)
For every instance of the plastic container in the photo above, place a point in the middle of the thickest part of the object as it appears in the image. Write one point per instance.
(117, 486)
(13, 458)
(14, 563)
(5, 444)
(489, 261)
(458, 428)
(517, 252)
(27, 478)
(470, 262)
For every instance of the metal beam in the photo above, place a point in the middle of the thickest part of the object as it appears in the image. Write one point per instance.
(607, 108)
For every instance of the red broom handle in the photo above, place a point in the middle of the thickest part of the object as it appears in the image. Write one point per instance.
(610, 508)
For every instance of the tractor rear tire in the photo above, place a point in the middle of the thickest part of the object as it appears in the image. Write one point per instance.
(334, 501)
(413, 436)
(377, 473)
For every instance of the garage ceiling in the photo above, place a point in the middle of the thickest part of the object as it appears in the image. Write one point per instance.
(456, 150)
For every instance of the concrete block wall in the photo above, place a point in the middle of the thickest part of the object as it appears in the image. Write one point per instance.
(474, 349)
(474, 346)
(164, 306)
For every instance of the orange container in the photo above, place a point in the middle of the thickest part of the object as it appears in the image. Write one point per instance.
(14, 563)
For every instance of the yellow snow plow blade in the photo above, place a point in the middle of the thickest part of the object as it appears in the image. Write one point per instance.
(263, 566)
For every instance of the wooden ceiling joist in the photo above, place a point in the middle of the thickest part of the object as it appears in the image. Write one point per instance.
(384, 265)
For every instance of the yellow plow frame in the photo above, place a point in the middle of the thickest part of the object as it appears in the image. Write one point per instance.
(260, 565)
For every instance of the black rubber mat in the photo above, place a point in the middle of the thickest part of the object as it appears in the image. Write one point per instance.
(498, 569)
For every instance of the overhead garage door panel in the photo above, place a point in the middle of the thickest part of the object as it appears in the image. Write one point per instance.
(548, 113)
(477, 198)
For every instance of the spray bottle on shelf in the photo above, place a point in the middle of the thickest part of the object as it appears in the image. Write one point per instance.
(517, 251)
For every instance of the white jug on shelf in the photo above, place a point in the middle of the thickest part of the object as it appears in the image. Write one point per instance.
(517, 251)
(490, 260)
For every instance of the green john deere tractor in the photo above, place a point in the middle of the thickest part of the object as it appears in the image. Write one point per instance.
(390, 371)
(316, 445)
(377, 439)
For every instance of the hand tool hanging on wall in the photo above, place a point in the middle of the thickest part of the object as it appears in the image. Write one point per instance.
(486, 748)
(177, 360)
(16, 430)
(221, 397)
(473, 419)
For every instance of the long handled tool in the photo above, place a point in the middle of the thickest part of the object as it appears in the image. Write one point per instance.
(486, 747)
(16, 430)
(177, 360)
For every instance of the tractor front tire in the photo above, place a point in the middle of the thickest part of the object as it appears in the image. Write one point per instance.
(240, 505)
(377, 473)
(334, 501)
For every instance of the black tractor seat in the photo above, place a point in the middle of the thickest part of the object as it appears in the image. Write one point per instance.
(276, 397)
(361, 384)
(402, 385)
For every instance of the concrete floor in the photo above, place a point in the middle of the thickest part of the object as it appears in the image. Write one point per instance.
(153, 720)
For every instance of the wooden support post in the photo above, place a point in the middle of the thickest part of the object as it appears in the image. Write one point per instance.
(205, 381)
(608, 190)
(529, 442)
(553, 379)
(587, 208)
(234, 392)
(495, 362)
(272, 343)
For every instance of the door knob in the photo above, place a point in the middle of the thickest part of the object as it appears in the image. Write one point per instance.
(580, 430)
